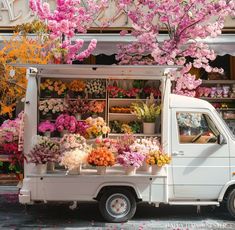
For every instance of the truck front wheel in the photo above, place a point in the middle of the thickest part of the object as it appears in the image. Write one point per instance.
(117, 205)
(231, 203)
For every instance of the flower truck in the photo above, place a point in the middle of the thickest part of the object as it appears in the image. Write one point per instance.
(180, 152)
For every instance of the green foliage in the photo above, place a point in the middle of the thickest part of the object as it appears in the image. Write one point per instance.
(146, 111)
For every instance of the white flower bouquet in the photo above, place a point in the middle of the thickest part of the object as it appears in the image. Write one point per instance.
(95, 88)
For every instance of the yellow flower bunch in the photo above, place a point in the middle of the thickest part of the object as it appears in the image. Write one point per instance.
(158, 158)
(77, 86)
(97, 127)
(54, 85)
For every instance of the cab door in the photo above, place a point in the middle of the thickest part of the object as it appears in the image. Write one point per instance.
(200, 166)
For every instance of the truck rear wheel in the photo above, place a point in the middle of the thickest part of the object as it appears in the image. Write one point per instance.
(117, 205)
(231, 203)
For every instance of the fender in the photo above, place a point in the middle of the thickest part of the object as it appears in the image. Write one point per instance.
(224, 189)
(116, 184)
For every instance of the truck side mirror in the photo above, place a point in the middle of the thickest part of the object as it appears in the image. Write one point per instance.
(221, 140)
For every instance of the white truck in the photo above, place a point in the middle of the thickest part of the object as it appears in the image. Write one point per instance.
(202, 171)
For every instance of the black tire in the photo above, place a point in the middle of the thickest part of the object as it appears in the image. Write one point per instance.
(124, 199)
(231, 203)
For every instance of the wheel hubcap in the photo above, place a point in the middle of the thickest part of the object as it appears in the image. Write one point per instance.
(118, 205)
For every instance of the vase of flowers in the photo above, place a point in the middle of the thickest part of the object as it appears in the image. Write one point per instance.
(147, 112)
(76, 107)
(128, 156)
(66, 124)
(44, 151)
(101, 157)
(95, 88)
(51, 107)
(54, 87)
(96, 127)
(76, 88)
(96, 107)
(74, 152)
(158, 159)
(46, 127)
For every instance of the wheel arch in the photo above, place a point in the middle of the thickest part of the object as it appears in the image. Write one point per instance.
(104, 187)
(226, 190)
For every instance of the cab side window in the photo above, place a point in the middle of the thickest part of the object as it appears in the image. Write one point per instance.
(196, 128)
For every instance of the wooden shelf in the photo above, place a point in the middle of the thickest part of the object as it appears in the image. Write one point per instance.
(223, 82)
(129, 99)
(73, 99)
(122, 114)
(135, 134)
(217, 99)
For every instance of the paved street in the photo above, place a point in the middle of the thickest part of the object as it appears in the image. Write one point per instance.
(16, 216)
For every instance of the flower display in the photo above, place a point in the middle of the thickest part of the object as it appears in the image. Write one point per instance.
(147, 111)
(96, 106)
(51, 106)
(148, 90)
(95, 87)
(76, 106)
(66, 122)
(130, 158)
(77, 86)
(120, 109)
(192, 120)
(72, 159)
(97, 127)
(54, 85)
(116, 92)
(10, 129)
(158, 158)
(46, 126)
(117, 126)
(101, 156)
(73, 141)
(45, 150)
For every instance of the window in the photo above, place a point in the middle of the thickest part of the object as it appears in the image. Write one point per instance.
(196, 128)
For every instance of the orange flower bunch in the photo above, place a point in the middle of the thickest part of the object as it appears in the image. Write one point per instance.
(54, 85)
(97, 106)
(101, 156)
(158, 158)
(77, 86)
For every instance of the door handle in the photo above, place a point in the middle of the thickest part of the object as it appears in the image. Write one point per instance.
(180, 153)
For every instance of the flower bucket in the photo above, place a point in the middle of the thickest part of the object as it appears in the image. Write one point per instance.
(101, 170)
(159, 171)
(40, 168)
(78, 116)
(148, 128)
(145, 167)
(47, 134)
(75, 171)
(130, 170)
(51, 166)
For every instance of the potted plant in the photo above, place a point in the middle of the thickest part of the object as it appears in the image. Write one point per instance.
(157, 159)
(101, 157)
(147, 112)
(44, 151)
(46, 127)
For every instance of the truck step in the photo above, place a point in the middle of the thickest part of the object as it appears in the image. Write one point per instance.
(199, 203)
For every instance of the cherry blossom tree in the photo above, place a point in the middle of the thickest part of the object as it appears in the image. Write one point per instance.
(69, 17)
(187, 23)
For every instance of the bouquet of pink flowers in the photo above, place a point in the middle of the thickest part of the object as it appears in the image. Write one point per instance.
(81, 128)
(45, 150)
(66, 122)
(9, 130)
(46, 126)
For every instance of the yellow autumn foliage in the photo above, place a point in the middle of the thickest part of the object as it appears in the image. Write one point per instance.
(23, 50)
